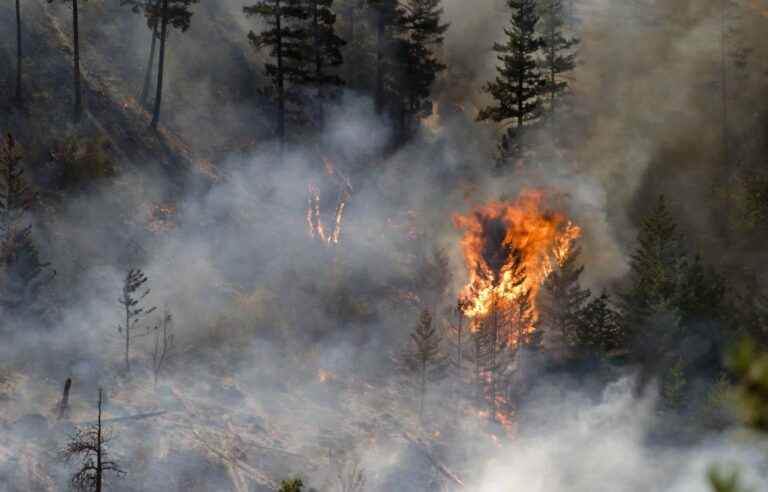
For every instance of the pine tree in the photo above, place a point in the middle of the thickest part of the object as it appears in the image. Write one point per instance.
(326, 48)
(424, 358)
(78, 109)
(519, 85)
(421, 33)
(90, 445)
(22, 273)
(131, 300)
(561, 301)
(286, 38)
(167, 13)
(148, 8)
(655, 265)
(559, 58)
(385, 21)
(600, 329)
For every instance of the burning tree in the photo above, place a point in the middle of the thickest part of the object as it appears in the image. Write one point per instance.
(131, 299)
(90, 445)
(508, 251)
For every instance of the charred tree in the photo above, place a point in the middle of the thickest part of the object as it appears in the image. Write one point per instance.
(134, 311)
(90, 445)
(63, 411)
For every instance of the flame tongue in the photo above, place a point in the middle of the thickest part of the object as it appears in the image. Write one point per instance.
(492, 234)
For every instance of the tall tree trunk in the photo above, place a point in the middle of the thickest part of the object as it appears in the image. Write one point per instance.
(150, 65)
(127, 338)
(98, 448)
(161, 68)
(78, 92)
(280, 78)
(18, 51)
(423, 388)
(64, 404)
(318, 63)
(380, 32)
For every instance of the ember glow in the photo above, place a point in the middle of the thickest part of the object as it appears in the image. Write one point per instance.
(493, 231)
(315, 224)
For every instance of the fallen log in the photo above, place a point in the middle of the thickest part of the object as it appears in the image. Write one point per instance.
(421, 445)
(139, 416)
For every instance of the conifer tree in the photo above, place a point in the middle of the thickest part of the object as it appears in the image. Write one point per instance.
(559, 58)
(175, 14)
(131, 299)
(421, 34)
(78, 108)
(90, 445)
(22, 273)
(519, 85)
(424, 358)
(561, 301)
(148, 8)
(385, 21)
(600, 327)
(655, 265)
(286, 38)
(326, 48)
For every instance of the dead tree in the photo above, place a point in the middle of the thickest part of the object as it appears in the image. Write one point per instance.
(350, 475)
(164, 344)
(131, 299)
(90, 446)
(64, 404)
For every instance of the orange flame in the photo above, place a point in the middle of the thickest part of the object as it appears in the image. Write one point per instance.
(493, 231)
(314, 217)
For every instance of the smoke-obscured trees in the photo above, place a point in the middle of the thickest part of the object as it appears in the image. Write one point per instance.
(176, 14)
(519, 85)
(559, 58)
(19, 95)
(326, 54)
(134, 311)
(89, 445)
(165, 345)
(421, 33)
(23, 274)
(424, 358)
(78, 108)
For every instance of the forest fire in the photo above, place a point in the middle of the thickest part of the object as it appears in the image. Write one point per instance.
(494, 234)
(315, 224)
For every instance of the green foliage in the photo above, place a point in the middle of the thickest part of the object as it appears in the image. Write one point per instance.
(293, 485)
(725, 481)
(600, 328)
(559, 58)
(673, 385)
(561, 302)
(424, 358)
(749, 366)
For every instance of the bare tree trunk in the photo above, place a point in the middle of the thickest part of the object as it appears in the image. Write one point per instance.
(78, 91)
(64, 404)
(127, 338)
(161, 68)
(98, 448)
(280, 78)
(18, 52)
(380, 27)
(423, 388)
(150, 65)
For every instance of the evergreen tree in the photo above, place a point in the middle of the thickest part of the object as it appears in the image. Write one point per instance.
(22, 273)
(655, 265)
(600, 327)
(559, 58)
(561, 301)
(424, 358)
(78, 109)
(385, 17)
(286, 38)
(148, 8)
(167, 13)
(131, 300)
(421, 33)
(326, 48)
(519, 85)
